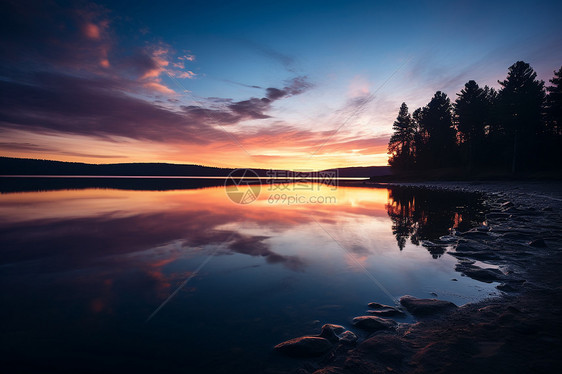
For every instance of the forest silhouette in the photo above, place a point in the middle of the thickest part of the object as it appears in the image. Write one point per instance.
(517, 128)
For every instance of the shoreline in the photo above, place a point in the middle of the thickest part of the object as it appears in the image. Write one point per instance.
(520, 331)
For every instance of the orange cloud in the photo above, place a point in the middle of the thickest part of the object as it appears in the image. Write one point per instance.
(159, 87)
(185, 74)
(92, 31)
(161, 65)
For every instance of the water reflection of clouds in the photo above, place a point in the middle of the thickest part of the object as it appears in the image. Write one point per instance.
(157, 235)
(101, 260)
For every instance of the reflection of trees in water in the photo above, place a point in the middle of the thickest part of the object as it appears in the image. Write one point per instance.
(425, 215)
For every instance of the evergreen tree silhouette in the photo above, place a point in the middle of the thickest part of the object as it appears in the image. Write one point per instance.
(439, 145)
(521, 101)
(473, 116)
(554, 121)
(400, 146)
(420, 138)
(519, 125)
(554, 103)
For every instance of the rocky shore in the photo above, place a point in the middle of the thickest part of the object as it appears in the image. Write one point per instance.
(519, 332)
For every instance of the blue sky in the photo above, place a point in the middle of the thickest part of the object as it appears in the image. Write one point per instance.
(197, 73)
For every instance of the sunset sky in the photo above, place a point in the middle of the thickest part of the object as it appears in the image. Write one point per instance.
(285, 84)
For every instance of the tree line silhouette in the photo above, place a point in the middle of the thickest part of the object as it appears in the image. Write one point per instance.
(517, 128)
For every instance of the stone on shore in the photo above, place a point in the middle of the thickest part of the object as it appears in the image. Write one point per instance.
(347, 337)
(384, 347)
(373, 323)
(471, 246)
(476, 235)
(386, 312)
(479, 274)
(304, 346)
(330, 332)
(425, 307)
(378, 306)
(506, 287)
(329, 370)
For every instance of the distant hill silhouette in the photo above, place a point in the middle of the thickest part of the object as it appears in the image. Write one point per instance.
(24, 166)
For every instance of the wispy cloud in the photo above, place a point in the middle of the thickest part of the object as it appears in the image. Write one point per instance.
(70, 74)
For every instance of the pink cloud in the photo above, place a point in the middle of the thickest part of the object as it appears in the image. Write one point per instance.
(185, 74)
(159, 87)
(159, 63)
(158, 57)
(187, 58)
(92, 31)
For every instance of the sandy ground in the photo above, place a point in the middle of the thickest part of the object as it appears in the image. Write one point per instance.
(519, 332)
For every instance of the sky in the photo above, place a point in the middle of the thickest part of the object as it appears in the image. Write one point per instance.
(280, 84)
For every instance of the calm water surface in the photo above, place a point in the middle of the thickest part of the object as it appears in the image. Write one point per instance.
(82, 270)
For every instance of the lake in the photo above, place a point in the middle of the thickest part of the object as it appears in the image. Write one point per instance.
(127, 275)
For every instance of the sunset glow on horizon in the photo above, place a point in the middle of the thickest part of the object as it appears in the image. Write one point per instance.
(287, 85)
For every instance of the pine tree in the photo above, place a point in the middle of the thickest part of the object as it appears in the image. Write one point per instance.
(472, 109)
(521, 101)
(436, 126)
(400, 146)
(420, 139)
(553, 111)
(554, 104)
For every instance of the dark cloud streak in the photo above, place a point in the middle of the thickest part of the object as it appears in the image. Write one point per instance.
(65, 71)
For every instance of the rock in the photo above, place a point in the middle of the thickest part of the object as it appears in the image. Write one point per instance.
(538, 243)
(347, 337)
(378, 306)
(329, 370)
(335, 328)
(448, 238)
(476, 235)
(470, 246)
(477, 255)
(386, 312)
(462, 247)
(506, 287)
(483, 275)
(384, 347)
(425, 307)
(305, 346)
(430, 244)
(373, 323)
(330, 331)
